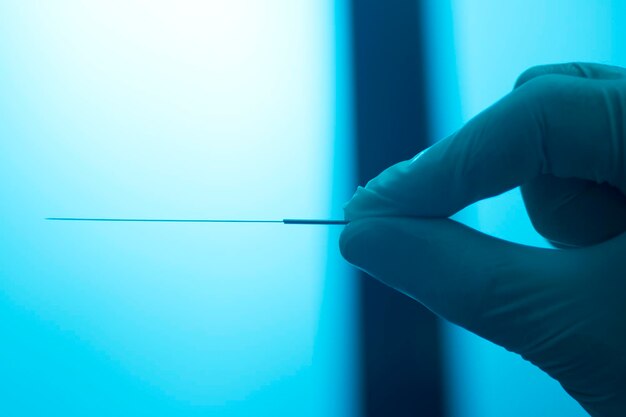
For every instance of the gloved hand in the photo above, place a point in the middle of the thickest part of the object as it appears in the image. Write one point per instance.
(561, 136)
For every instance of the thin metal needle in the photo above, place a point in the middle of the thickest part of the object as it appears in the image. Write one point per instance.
(284, 221)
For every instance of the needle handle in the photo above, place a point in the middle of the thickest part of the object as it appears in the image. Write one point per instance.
(310, 221)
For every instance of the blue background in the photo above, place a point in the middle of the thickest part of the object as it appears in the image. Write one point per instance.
(188, 109)
(227, 109)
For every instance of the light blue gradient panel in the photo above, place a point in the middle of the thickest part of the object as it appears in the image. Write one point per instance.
(477, 49)
(188, 109)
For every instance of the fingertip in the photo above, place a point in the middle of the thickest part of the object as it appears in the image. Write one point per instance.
(348, 207)
(345, 239)
(363, 203)
(354, 238)
(445, 265)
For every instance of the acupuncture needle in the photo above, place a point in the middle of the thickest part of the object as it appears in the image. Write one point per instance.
(284, 221)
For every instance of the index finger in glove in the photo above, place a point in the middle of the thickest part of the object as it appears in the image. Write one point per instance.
(561, 124)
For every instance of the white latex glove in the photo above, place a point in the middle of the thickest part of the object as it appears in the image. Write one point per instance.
(561, 135)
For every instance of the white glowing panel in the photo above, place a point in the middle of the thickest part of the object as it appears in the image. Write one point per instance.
(171, 109)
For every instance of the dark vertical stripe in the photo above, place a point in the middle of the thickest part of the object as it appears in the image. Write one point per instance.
(399, 339)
